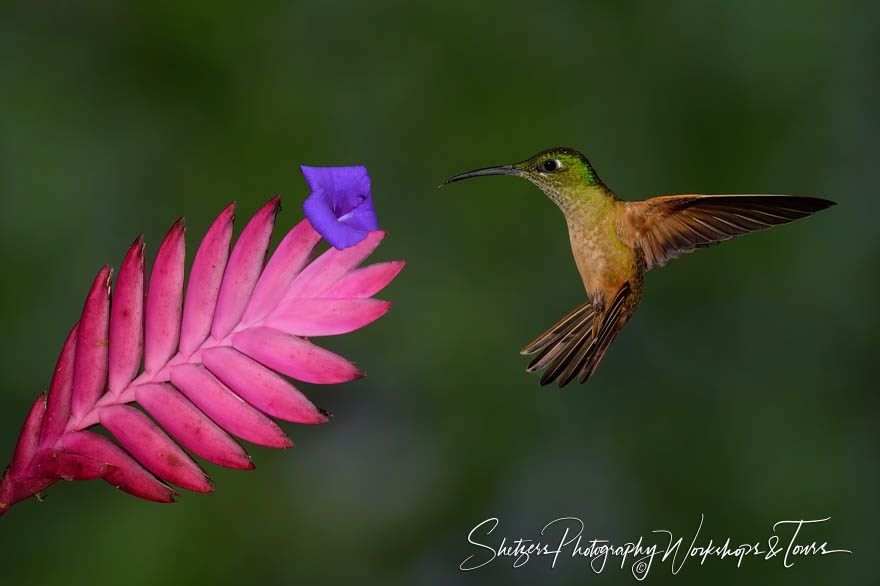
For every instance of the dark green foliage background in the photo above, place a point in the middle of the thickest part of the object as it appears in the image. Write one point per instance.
(745, 388)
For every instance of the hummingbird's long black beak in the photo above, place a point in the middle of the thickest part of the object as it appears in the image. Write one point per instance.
(502, 170)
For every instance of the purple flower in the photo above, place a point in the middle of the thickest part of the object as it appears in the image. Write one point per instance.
(340, 207)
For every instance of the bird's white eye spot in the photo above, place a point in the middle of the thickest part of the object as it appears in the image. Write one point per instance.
(551, 165)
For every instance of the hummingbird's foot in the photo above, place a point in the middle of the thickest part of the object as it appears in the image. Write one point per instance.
(597, 300)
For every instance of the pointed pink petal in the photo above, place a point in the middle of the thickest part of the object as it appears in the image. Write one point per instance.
(58, 403)
(287, 261)
(204, 282)
(190, 426)
(29, 438)
(226, 408)
(164, 300)
(151, 447)
(294, 356)
(13, 490)
(325, 317)
(127, 319)
(63, 465)
(328, 268)
(8, 493)
(90, 366)
(260, 387)
(245, 263)
(128, 476)
(365, 281)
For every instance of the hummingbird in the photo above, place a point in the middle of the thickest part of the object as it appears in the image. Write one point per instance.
(615, 242)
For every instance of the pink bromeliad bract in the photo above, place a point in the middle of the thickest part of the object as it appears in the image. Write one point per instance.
(203, 366)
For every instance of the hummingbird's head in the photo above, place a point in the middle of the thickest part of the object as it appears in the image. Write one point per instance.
(556, 171)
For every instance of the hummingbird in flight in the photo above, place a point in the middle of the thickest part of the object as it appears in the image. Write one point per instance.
(615, 242)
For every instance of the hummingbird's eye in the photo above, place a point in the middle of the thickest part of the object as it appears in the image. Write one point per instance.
(550, 165)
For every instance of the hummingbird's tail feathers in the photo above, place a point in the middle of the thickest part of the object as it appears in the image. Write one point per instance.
(669, 226)
(574, 346)
(559, 330)
(559, 351)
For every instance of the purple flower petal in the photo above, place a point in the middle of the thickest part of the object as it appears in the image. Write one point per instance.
(340, 207)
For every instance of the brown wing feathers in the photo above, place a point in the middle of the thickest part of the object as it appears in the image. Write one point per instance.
(666, 227)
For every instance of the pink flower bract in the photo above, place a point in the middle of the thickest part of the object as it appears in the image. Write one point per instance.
(213, 359)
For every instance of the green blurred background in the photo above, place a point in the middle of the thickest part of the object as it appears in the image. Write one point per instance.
(744, 389)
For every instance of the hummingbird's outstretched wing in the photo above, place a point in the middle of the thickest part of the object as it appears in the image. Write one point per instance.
(666, 227)
(574, 346)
